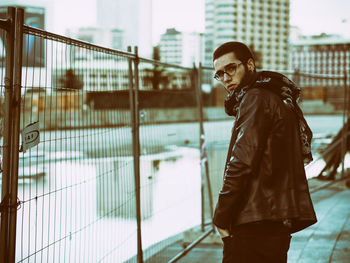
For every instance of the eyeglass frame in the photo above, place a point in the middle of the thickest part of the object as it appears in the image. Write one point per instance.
(223, 71)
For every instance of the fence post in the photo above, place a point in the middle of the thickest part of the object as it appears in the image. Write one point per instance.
(5, 193)
(345, 122)
(346, 87)
(134, 106)
(205, 178)
(197, 84)
(16, 102)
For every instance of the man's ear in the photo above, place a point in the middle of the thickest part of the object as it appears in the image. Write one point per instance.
(251, 65)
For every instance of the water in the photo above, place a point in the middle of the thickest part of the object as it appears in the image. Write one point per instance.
(77, 215)
(82, 210)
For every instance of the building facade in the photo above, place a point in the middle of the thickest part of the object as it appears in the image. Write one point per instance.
(133, 17)
(262, 25)
(181, 48)
(324, 54)
(112, 38)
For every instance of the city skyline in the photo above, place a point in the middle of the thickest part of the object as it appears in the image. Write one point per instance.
(330, 16)
(312, 17)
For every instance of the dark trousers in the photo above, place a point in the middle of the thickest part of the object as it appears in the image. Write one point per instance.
(264, 242)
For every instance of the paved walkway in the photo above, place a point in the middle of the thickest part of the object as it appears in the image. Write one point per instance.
(326, 241)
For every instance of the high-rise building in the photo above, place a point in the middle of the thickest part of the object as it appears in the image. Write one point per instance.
(182, 48)
(133, 17)
(262, 24)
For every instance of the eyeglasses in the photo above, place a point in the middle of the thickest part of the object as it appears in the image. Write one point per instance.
(230, 70)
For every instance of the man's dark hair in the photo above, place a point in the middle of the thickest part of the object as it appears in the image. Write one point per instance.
(242, 52)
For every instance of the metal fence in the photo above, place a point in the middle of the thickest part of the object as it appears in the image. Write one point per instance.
(116, 174)
(130, 156)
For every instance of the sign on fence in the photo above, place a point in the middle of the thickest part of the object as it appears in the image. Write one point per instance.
(30, 136)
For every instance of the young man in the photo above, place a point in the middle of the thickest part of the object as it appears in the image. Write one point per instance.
(265, 195)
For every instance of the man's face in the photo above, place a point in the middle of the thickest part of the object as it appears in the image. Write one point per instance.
(230, 64)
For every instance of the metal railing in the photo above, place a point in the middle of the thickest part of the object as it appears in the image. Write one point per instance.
(130, 155)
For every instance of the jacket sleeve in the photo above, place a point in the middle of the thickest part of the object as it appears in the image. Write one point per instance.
(251, 128)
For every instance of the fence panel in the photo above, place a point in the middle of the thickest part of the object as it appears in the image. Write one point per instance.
(170, 163)
(77, 185)
(217, 134)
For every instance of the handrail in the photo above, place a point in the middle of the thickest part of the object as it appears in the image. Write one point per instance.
(79, 43)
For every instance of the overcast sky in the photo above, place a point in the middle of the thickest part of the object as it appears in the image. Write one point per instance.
(311, 16)
(317, 16)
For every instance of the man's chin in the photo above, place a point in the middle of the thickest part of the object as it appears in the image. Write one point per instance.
(231, 88)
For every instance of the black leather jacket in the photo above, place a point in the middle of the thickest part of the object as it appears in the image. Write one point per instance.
(265, 176)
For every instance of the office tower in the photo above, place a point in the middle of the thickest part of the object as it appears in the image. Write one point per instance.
(133, 17)
(112, 38)
(262, 24)
(181, 48)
